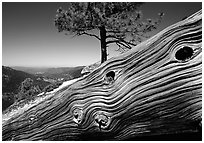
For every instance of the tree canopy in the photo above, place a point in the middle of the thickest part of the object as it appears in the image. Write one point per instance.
(27, 90)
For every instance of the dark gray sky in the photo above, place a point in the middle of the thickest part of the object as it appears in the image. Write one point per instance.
(30, 39)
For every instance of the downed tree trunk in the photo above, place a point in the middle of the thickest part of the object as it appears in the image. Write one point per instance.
(153, 89)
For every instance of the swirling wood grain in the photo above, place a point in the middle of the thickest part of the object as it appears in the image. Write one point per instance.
(151, 93)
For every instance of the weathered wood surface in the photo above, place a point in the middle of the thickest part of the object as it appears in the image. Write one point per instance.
(152, 93)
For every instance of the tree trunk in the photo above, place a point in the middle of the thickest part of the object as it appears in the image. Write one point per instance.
(145, 92)
(103, 44)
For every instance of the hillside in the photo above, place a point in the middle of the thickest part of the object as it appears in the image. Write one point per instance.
(11, 80)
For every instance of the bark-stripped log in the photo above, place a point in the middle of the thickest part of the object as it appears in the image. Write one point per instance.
(155, 89)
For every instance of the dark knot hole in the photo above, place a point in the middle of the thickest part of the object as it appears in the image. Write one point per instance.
(184, 53)
(110, 76)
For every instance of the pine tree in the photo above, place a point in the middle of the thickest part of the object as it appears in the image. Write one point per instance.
(117, 22)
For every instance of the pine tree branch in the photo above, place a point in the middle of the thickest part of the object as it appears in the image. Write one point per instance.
(111, 36)
(112, 41)
(121, 46)
(121, 41)
(139, 34)
(92, 35)
(116, 35)
(125, 45)
(112, 31)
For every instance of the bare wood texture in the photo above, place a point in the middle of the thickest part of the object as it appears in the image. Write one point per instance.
(152, 92)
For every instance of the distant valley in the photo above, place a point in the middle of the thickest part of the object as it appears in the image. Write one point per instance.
(12, 77)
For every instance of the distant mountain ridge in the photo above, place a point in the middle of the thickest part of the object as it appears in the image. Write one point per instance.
(71, 72)
(50, 70)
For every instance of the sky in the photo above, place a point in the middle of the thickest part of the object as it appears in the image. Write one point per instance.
(29, 37)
